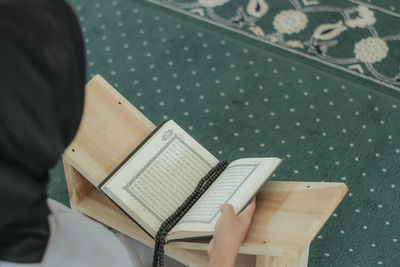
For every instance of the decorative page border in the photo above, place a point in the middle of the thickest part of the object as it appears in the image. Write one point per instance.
(151, 161)
(255, 166)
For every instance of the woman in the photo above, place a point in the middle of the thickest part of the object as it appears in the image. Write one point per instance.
(42, 76)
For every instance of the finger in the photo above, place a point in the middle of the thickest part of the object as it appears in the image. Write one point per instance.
(248, 212)
(253, 202)
(228, 208)
(210, 247)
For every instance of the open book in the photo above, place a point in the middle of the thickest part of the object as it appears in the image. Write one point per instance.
(156, 178)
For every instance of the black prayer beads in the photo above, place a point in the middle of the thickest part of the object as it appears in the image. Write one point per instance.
(172, 220)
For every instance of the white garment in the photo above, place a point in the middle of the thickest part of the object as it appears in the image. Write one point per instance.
(76, 241)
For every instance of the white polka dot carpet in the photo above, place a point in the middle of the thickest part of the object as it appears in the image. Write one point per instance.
(242, 99)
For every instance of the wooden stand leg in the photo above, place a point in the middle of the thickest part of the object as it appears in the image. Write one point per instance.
(77, 185)
(275, 261)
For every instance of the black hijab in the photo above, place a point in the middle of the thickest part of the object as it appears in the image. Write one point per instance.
(42, 76)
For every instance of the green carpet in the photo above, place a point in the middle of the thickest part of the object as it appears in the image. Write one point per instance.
(359, 37)
(242, 97)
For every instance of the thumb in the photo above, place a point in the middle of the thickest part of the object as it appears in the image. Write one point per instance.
(248, 212)
(227, 208)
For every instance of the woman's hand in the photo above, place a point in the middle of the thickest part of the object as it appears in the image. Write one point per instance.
(229, 233)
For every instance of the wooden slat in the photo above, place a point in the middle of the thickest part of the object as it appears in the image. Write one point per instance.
(111, 128)
(280, 261)
(77, 185)
(287, 218)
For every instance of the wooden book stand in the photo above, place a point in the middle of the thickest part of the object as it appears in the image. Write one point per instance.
(288, 214)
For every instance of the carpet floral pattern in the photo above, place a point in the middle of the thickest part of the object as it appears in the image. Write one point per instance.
(356, 36)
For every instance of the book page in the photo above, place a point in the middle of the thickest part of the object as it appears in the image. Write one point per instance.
(237, 185)
(156, 180)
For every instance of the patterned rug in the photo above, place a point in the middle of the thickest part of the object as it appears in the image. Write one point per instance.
(359, 37)
(240, 97)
